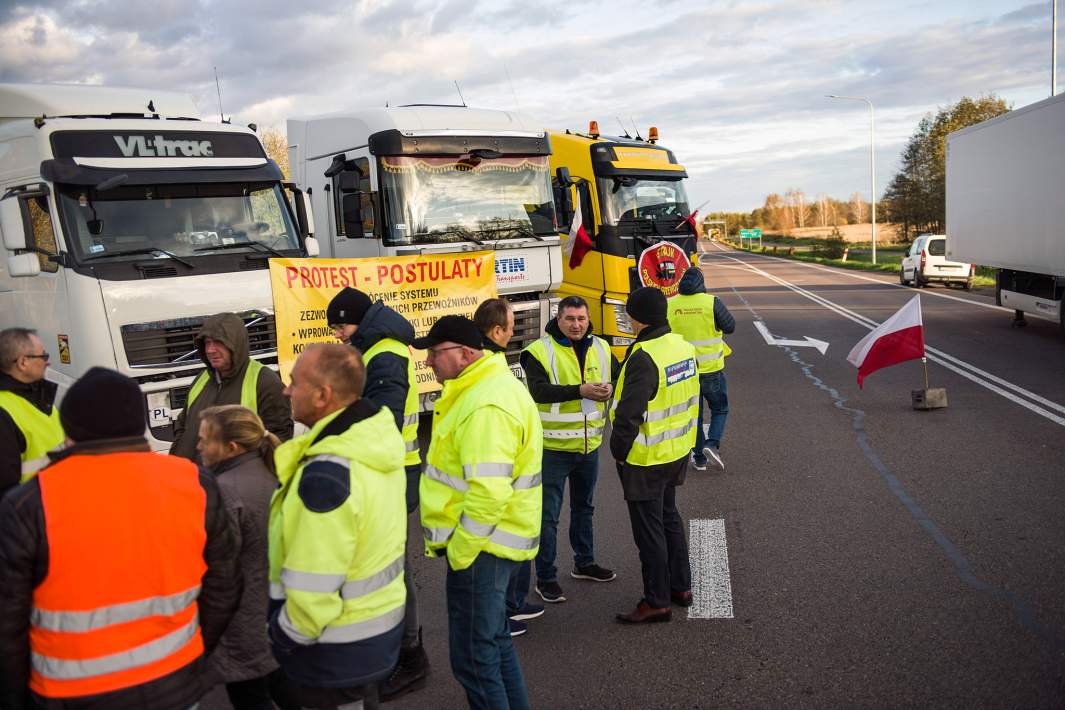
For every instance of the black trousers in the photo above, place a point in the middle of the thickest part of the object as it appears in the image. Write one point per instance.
(292, 695)
(253, 694)
(658, 531)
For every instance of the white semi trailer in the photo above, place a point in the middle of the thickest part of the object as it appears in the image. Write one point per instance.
(125, 222)
(1005, 207)
(437, 179)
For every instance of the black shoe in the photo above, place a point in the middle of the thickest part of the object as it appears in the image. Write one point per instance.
(411, 673)
(593, 572)
(550, 592)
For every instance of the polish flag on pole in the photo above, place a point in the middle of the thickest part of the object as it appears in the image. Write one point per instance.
(898, 339)
(578, 244)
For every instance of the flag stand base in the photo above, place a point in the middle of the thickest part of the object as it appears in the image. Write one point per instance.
(929, 398)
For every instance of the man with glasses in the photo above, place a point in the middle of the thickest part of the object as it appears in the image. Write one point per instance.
(29, 424)
(481, 501)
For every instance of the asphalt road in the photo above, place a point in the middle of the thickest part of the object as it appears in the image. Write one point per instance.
(878, 556)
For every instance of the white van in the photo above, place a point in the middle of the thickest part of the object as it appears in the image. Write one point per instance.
(926, 262)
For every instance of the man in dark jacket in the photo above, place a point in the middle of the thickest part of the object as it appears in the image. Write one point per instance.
(25, 407)
(383, 338)
(581, 370)
(232, 377)
(652, 451)
(124, 637)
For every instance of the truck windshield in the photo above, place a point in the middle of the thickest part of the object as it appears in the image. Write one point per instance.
(183, 220)
(465, 198)
(633, 198)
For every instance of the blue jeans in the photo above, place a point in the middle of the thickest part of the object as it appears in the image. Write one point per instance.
(483, 658)
(518, 589)
(712, 388)
(582, 471)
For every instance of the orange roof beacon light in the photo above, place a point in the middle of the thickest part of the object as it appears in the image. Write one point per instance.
(652, 135)
(593, 129)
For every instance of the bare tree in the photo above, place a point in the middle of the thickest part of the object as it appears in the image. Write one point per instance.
(276, 144)
(858, 208)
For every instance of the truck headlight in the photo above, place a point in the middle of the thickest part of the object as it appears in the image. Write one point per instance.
(621, 319)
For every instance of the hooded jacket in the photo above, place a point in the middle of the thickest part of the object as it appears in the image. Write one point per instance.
(40, 394)
(540, 387)
(273, 405)
(693, 282)
(24, 564)
(386, 375)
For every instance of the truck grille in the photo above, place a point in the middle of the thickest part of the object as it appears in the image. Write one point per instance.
(526, 328)
(170, 342)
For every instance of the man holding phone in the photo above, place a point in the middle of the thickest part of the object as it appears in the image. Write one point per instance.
(569, 371)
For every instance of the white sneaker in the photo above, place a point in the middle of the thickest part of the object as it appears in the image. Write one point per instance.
(696, 465)
(712, 455)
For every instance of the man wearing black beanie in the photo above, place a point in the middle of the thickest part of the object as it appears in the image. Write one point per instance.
(653, 432)
(110, 533)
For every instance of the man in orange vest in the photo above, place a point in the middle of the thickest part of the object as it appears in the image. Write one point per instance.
(118, 565)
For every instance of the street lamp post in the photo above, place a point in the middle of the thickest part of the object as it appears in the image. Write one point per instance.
(872, 159)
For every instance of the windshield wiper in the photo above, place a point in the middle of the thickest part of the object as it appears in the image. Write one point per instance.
(465, 234)
(238, 245)
(146, 250)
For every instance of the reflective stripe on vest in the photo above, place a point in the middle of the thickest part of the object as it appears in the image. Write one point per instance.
(330, 583)
(667, 432)
(248, 398)
(410, 405)
(344, 633)
(691, 316)
(566, 426)
(88, 634)
(43, 432)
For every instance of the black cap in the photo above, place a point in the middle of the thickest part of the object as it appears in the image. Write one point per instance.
(347, 307)
(647, 305)
(103, 404)
(454, 329)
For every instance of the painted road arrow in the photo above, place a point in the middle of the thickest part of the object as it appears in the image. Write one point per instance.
(809, 342)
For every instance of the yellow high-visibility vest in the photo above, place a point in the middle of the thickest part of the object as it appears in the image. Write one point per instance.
(667, 432)
(43, 432)
(692, 317)
(410, 406)
(566, 425)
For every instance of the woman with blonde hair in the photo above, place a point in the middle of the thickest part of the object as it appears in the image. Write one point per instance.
(236, 448)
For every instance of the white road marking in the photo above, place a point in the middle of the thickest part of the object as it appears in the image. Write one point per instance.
(809, 342)
(973, 373)
(711, 587)
(856, 275)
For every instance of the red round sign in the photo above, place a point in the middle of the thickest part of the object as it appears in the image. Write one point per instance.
(662, 265)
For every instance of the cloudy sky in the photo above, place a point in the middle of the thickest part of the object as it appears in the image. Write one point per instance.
(735, 88)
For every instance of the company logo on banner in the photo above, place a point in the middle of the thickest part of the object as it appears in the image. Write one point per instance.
(662, 265)
(421, 288)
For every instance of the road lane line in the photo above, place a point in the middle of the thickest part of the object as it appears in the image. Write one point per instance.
(711, 586)
(985, 379)
(853, 275)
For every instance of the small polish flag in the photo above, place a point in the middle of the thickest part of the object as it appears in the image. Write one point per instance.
(578, 244)
(898, 339)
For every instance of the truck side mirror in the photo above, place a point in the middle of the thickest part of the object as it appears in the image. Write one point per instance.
(351, 211)
(310, 245)
(25, 264)
(11, 224)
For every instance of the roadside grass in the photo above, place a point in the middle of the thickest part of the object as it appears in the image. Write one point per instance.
(859, 258)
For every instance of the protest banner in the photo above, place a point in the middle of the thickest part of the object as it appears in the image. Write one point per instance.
(421, 288)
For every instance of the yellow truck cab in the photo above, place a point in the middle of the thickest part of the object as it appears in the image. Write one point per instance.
(632, 196)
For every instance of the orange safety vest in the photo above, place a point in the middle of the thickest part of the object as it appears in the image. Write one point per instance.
(125, 560)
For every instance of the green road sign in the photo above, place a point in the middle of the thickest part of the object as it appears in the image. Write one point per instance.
(750, 234)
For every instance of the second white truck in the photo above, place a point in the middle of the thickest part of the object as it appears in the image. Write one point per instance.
(435, 179)
(1005, 207)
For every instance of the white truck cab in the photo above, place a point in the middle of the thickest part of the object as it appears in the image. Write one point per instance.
(125, 222)
(433, 179)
